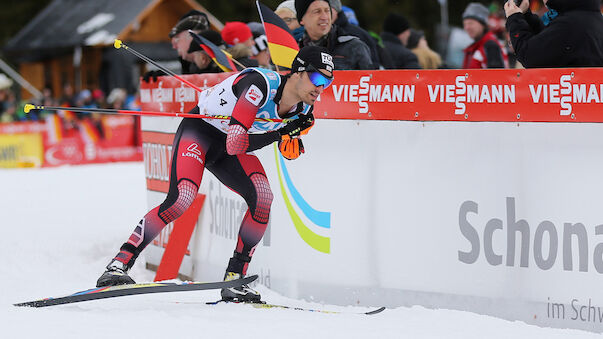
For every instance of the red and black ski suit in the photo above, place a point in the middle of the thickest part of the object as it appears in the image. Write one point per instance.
(198, 145)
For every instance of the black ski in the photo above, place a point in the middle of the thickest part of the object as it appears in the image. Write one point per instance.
(133, 289)
(265, 305)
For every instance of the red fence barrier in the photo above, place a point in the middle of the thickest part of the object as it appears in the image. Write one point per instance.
(561, 95)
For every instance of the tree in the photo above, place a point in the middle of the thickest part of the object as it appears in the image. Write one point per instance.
(16, 14)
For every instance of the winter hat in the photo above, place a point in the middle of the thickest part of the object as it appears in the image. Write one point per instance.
(413, 39)
(193, 20)
(477, 12)
(5, 82)
(236, 32)
(336, 5)
(301, 6)
(316, 56)
(395, 23)
(256, 28)
(350, 14)
(259, 37)
(289, 4)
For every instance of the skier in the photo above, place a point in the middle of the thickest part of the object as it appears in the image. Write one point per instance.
(224, 148)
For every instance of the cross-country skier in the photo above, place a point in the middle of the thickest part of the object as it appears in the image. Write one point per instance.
(224, 148)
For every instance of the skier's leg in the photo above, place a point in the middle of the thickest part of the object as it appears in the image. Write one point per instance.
(245, 176)
(189, 151)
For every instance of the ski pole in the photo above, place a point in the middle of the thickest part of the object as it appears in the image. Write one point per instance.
(119, 44)
(28, 107)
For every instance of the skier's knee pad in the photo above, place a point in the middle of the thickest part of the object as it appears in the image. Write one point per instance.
(174, 207)
(263, 201)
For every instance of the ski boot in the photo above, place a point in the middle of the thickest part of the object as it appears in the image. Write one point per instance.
(116, 274)
(242, 293)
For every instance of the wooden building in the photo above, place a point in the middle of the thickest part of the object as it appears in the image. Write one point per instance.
(71, 42)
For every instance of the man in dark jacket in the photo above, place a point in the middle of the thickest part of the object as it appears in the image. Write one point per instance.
(341, 20)
(396, 31)
(572, 38)
(348, 51)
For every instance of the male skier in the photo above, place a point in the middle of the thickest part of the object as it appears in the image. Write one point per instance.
(224, 147)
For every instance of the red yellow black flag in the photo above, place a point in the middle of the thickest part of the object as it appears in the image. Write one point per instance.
(283, 47)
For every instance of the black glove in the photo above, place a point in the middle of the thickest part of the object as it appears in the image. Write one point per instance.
(152, 75)
(297, 127)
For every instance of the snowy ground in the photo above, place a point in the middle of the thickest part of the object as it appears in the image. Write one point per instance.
(61, 226)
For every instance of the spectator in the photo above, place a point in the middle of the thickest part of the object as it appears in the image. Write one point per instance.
(396, 31)
(181, 40)
(68, 98)
(349, 52)
(428, 59)
(7, 108)
(286, 11)
(341, 20)
(259, 50)
(486, 51)
(98, 97)
(385, 59)
(117, 98)
(572, 36)
(47, 99)
(239, 39)
(351, 15)
(201, 59)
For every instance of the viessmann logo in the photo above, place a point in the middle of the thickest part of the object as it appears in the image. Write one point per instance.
(565, 93)
(365, 93)
(462, 94)
(318, 218)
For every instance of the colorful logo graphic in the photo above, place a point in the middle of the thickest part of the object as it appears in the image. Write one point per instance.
(318, 218)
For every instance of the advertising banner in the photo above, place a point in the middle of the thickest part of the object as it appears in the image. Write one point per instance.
(50, 143)
(21, 150)
(544, 95)
(478, 211)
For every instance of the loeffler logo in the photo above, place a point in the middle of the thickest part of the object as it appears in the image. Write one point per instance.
(461, 94)
(194, 148)
(365, 93)
(566, 93)
(193, 151)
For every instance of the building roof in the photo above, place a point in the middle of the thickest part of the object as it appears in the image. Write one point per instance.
(67, 23)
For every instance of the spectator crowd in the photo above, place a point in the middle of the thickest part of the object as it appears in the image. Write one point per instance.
(513, 34)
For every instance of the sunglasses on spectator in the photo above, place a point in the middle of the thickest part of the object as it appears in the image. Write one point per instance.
(318, 78)
(289, 20)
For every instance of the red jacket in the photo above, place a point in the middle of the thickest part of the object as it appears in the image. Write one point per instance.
(487, 52)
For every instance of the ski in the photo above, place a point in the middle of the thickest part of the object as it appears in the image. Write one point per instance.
(264, 305)
(134, 289)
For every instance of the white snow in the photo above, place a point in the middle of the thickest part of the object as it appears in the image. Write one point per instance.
(61, 226)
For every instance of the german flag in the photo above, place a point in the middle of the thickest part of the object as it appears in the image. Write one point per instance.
(220, 57)
(283, 47)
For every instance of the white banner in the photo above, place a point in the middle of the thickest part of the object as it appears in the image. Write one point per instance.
(496, 218)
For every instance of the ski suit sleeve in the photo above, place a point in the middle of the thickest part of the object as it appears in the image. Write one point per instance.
(251, 91)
